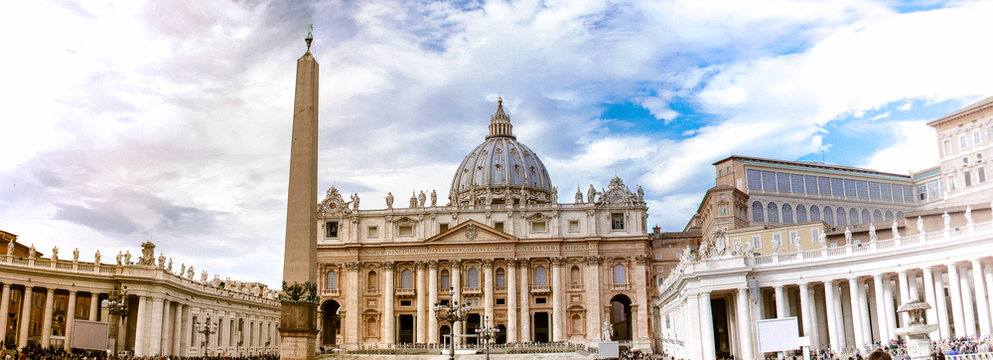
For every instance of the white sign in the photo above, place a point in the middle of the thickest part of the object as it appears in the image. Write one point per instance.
(608, 350)
(777, 334)
(90, 335)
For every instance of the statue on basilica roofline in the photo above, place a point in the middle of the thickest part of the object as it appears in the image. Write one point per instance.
(968, 214)
(31, 252)
(75, 255)
(55, 253)
(641, 194)
(421, 199)
(895, 230)
(434, 198)
(948, 221)
(591, 194)
(355, 201)
(848, 236)
(96, 257)
(10, 248)
(389, 200)
(920, 225)
(872, 232)
(555, 195)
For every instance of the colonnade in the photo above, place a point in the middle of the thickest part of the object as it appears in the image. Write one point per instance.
(28, 293)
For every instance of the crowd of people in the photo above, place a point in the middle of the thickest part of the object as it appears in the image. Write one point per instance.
(35, 352)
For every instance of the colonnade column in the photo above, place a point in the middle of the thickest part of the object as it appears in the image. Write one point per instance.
(139, 330)
(351, 327)
(94, 306)
(988, 275)
(864, 312)
(931, 313)
(155, 335)
(745, 321)
(70, 317)
(782, 311)
(956, 299)
(941, 310)
(889, 309)
(177, 330)
(422, 323)
(832, 320)
(432, 299)
(457, 284)
(558, 312)
(4, 309)
(46, 325)
(488, 286)
(389, 319)
(805, 310)
(707, 327)
(967, 310)
(167, 328)
(511, 301)
(25, 317)
(526, 302)
(854, 290)
(982, 305)
(187, 331)
(839, 315)
(904, 294)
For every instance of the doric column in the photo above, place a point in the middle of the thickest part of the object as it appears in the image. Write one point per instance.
(558, 310)
(832, 319)
(155, 335)
(877, 284)
(94, 306)
(166, 344)
(593, 308)
(968, 312)
(389, 324)
(46, 325)
(488, 288)
(432, 299)
(988, 275)
(904, 294)
(350, 330)
(25, 317)
(525, 318)
(889, 309)
(4, 308)
(782, 311)
(694, 323)
(177, 330)
(422, 306)
(982, 305)
(141, 327)
(806, 312)
(707, 327)
(930, 298)
(70, 316)
(745, 321)
(456, 280)
(854, 291)
(864, 312)
(955, 297)
(815, 329)
(511, 301)
(839, 314)
(187, 331)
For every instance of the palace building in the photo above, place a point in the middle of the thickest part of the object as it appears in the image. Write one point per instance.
(539, 269)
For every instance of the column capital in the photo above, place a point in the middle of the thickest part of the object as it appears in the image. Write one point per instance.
(558, 261)
(433, 264)
(355, 265)
(456, 263)
(420, 265)
(511, 262)
(523, 262)
(488, 263)
(593, 260)
(388, 265)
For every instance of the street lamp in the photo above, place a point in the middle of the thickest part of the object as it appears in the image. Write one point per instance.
(487, 333)
(206, 328)
(452, 313)
(117, 305)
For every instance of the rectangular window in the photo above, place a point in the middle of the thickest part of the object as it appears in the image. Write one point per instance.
(962, 142)
(501, 301)
(948, 145)
(793, 235)
(757, 242)
(863, 189)
(768, 181)
(405, 302)
(873, 190)
(838, 187)
(720, 172)
(951, 182)
(777, 238)
(989, 133)
(540, 300)
(446, 281)
(373, 232)
(405, 230)
(797, 183)
(850, 188)
(617, 221)
(443, 227)
(574, 226)
(976, 139)
(965, 160)
(981, 172)
(824, 185)
(967, 176)
(884, 192)
(810, 183)
(501, 280)
(498, 225)
(538, 227)
(815, 235)
(783, 182)
(331, 229)
(754, 179)
(979, 157)
(908, 193)
(922, 192)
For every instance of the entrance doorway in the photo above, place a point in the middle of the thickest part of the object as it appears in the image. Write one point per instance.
(471, 324)
(406, 334)
(722, 343)
(445, 332)
(620, 317)
(332, 323)
(501, 337)
(540, 327)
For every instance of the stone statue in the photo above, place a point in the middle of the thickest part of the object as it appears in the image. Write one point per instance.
(120, 258)
(96, 257)
(795, 241)
(555, 195)
(355, 201)
(389, 200)
(31, 252)
(421, 199)
(848, 236)
(823, 238)
(591, 194)
(872, 232)
(434, 198)
(895, 230)
(10, 248)
(737, 247)
(747, 248)
(579, 195)
(169, 266)
(948, 221)
(720, 244)
(606, 331)
(203, 276)
(55, 253)
(75, 255)
(641, 194)
(968, 214)
(182, 269)
(162, 260)
(776, 244)
(413, 200)
(189, 272)
(147, 254)
(216, 282)
(920, 225)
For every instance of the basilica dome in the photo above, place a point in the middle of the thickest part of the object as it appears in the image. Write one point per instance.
(501, 170)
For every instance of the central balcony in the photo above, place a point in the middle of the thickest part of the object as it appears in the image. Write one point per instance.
(543, 289)
(472, 290)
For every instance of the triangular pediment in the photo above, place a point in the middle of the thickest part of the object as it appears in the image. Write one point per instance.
(471, 231)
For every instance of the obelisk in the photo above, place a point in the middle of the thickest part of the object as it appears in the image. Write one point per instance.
(298, 321)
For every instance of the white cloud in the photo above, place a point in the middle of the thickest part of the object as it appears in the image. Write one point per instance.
(915, 148)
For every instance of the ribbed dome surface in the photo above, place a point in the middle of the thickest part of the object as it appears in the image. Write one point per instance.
(501, 170)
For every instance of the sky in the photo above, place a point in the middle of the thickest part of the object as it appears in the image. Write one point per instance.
(169, 121)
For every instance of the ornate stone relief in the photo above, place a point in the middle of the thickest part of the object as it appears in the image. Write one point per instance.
(333, 204)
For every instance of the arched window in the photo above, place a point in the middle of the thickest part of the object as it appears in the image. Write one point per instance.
(841, 217)
(501, 278)
(787, 214)
(853, 216)
(773, 212)
(801, 214)
(828, 215)
(877, 216)
(332, 282)
(577, 324)
(473, 280)
(889, 215)
(757, 213)
(371, 328)
(899, 214)
(539, 276)
(866, 217)
(575, 279)
(372, 282)
(446, 280)
(406, 279)
(815, 213)
(619, 276)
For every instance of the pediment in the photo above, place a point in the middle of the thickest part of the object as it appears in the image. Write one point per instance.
(471, 231)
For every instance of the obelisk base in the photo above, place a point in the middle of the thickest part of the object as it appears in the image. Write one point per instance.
(298, 331)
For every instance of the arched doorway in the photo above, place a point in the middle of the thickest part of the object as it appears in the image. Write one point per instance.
(501, 337)
(332, 323)
(540, 327)
(445, 332)
(620, 317)
(406, 335)
(471, 324)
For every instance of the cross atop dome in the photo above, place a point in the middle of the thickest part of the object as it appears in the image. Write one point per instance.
(500, 123)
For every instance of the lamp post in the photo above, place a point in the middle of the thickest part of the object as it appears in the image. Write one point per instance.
(452, 313)
(117, 305)
(206, 328)
(487, 333)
